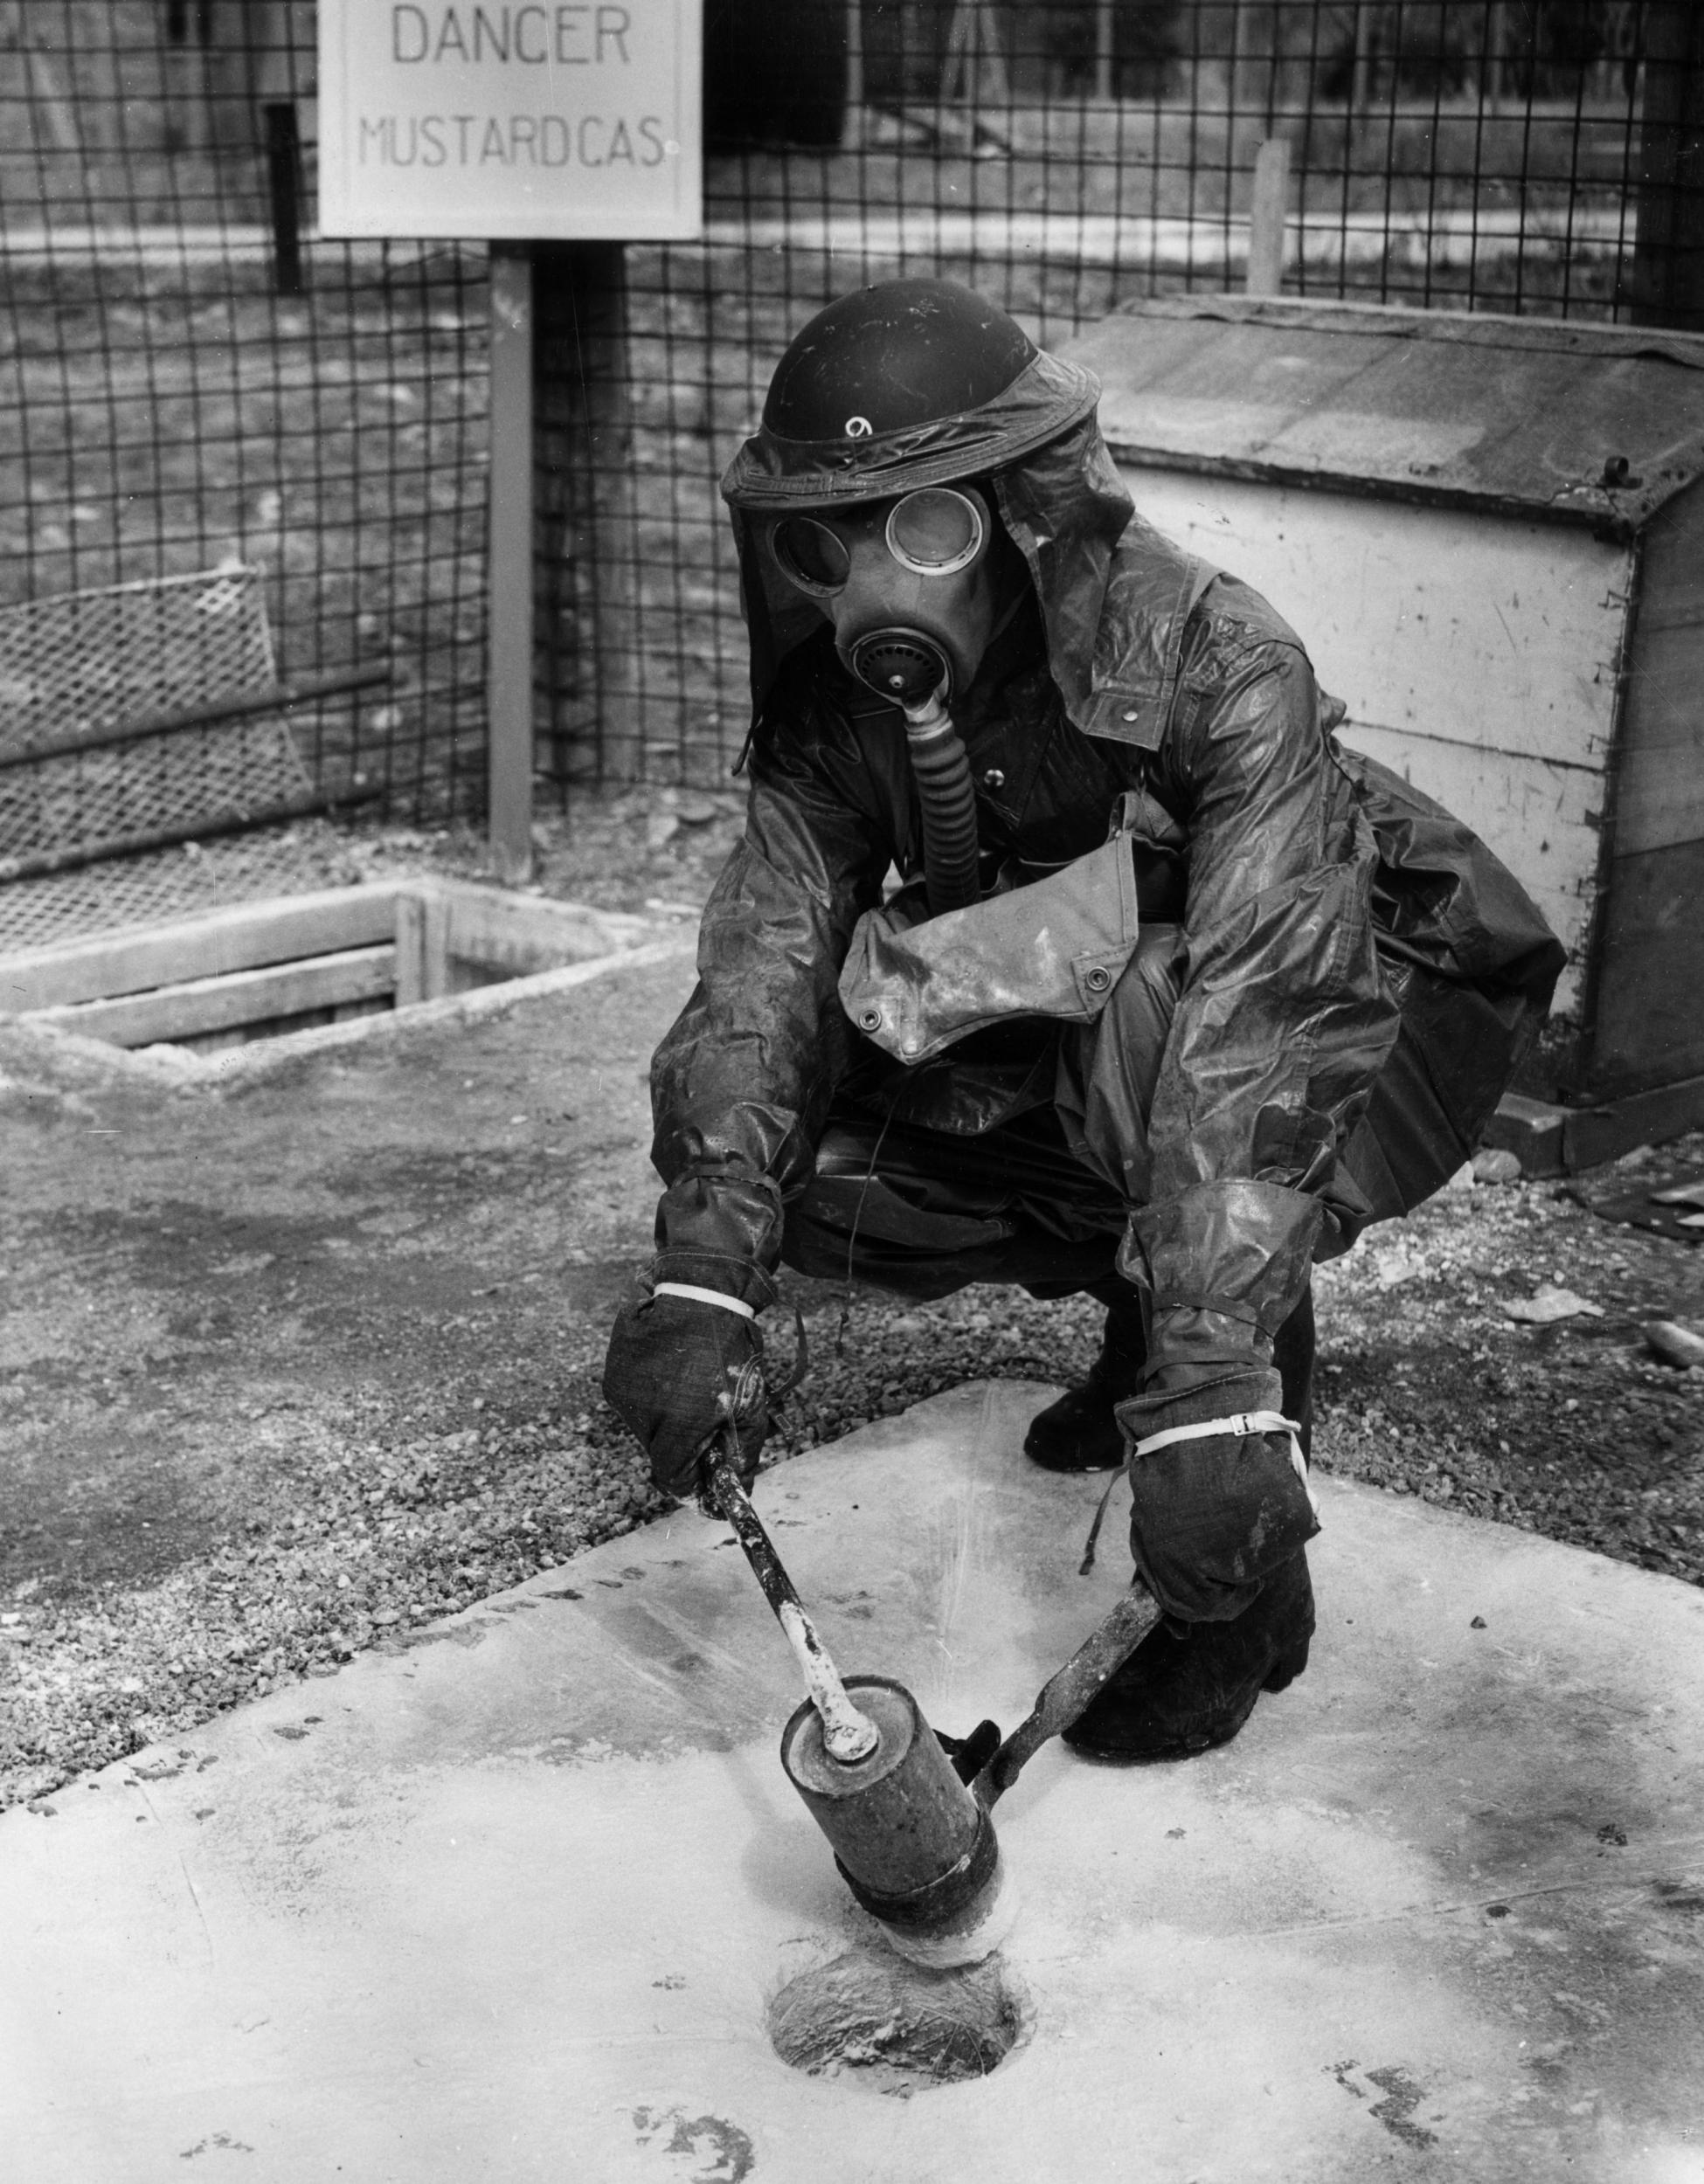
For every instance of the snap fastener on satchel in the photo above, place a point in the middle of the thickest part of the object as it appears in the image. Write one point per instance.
(1097, 979)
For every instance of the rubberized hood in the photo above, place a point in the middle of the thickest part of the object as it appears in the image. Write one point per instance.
(1035, 443)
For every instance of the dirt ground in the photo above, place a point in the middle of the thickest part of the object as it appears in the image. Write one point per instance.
(288, 1370)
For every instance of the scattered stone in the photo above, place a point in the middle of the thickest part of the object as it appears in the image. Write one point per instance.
(1673, 1343)
(1479, 1623)
(1548, 1305)
(1493, 1164)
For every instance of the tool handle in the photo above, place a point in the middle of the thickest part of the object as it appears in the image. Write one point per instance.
(1065, 1694)
(846, 1734)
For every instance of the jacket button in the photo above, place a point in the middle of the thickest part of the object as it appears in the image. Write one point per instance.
(1098, 980)
(1131, 714)
(870, 1019)
(993, 778)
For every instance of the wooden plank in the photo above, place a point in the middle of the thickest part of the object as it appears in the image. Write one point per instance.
(411, 950)
(1479, 630)
(520, 933)
(237, 939)
(243, 997)
(271, 1028)
(1433, 405)
(1650, 989)
(1660, 767)
(1592, 1134)
(1269, 206)
(435, 944)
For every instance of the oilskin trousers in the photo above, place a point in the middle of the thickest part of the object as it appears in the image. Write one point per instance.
(1038, 1196)
(922, 1212)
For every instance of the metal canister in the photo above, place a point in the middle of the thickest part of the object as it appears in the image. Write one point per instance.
(914, 1845)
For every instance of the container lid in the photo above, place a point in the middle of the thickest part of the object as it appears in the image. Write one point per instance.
(1576, 423)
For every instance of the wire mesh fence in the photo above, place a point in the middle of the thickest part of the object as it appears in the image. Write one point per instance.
(1063, 157)
(188, 374)
(189, 378)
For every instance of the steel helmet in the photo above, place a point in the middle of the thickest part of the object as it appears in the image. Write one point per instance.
(918, 383)
(907, 383)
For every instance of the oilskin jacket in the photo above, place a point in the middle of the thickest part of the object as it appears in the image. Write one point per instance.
(1356, 972)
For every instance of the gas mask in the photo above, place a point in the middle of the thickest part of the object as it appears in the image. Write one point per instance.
(909, 585)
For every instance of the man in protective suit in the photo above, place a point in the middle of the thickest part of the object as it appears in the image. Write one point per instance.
(1175, 996)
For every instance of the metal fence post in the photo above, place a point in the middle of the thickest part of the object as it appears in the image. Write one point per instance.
(284, 189)
(509, 564)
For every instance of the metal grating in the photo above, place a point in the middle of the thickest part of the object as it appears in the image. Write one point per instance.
(83, 661)
(91, 664)
(173, 883)
(175, 785)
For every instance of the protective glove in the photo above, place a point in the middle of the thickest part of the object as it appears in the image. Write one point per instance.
(1212, 1517)
(681, 1371)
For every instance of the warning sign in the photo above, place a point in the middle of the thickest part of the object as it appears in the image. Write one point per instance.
(549, 118)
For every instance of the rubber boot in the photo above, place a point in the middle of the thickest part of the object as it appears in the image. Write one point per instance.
(1177, 1696)
(1080, 1433)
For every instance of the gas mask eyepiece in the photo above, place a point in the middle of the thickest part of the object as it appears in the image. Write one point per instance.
(811, 555)
(936, 531)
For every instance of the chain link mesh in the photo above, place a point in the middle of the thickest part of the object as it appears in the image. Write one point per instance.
(188, 368)
(171, 883)
(83, 661)
(89, 662)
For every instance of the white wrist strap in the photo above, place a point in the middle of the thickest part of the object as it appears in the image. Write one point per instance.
(704, 1297)
(1241, 1424)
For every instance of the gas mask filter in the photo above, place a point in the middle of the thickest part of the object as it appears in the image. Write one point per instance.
(907, 583)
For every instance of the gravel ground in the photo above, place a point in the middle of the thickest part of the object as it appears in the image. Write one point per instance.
(365, 1508)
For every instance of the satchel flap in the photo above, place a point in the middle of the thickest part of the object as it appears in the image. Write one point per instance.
(1056, 948)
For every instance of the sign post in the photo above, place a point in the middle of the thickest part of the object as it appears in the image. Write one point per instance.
(508, 566)
(549, 120)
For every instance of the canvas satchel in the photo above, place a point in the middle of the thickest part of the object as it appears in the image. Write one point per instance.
(1056, 947)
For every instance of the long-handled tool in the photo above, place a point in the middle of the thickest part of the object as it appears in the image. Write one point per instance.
(916, 1845)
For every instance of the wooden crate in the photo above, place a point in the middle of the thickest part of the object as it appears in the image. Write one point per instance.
(1489, 533)
(262, 969)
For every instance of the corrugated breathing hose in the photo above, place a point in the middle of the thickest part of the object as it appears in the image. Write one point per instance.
(947, 798)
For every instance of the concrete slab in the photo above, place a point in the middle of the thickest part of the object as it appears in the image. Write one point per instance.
(511, 1901)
